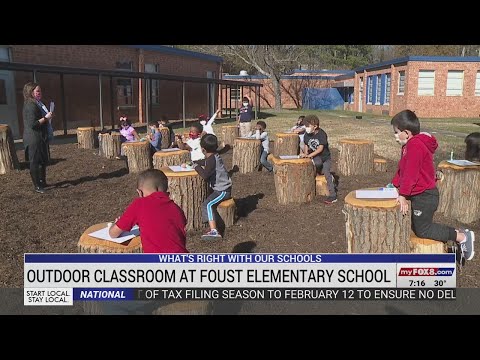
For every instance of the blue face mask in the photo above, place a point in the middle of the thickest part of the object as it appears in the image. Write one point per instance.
(152, 131)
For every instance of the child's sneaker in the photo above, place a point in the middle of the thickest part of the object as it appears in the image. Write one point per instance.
(466, 246)
(330, 200)
(212, 235)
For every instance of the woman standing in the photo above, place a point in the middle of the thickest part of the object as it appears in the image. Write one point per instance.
(35, 134)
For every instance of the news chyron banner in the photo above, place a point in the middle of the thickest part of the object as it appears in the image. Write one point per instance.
(61, 279)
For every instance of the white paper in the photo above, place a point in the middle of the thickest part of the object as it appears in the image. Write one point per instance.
(124, 236)
(463, 163)
(170, 149)
(177, 168)
(289, 157)
(380, 193)
(52, 106)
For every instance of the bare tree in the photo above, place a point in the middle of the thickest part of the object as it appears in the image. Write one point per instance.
(272, 61)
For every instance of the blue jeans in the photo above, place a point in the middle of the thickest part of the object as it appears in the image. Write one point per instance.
(263, 160)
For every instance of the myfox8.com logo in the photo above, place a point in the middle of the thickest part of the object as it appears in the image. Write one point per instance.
(420, 271)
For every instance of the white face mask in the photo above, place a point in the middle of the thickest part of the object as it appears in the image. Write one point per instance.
(203, 122)
(397, 139)
(309, 130)
(245, 104)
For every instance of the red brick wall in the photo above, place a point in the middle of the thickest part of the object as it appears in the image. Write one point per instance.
(441, 105)
(81, 92)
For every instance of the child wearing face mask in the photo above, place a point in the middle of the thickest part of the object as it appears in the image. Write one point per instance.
(245, 116)
(415, 180)
(316, 148)
(193, 143)
(207, 125)
(161, 221)
(154, 137)
(261, 134)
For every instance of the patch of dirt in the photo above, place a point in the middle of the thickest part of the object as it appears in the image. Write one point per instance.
(87, 189)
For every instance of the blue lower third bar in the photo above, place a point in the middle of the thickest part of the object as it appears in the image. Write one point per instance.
(102, 294)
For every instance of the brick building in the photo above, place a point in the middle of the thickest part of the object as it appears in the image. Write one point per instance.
(89, 88)
(432, 86)
(292, 84)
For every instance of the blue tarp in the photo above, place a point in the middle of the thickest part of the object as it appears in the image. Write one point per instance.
(322, 99)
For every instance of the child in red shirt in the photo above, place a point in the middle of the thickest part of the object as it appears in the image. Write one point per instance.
(161, 221)
(415, 180)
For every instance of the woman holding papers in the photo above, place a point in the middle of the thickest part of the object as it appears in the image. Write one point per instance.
(36, 119)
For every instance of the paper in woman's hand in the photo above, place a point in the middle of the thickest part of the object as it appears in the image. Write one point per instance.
(52, 106)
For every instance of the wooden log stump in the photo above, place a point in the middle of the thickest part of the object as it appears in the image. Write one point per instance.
(86, 137)
(138, 155)
(188, 307)
(286, 144)
(226, 210)
(375, 226)
(109, 145)
(459, 188)
(8, 155)
(89, 244)
(426, 246)
(294, 180)
(246, 154)
(188, 190)
(355, 157)
(229, 134)
(165, 138)
(321, 185)
(380, 165)
(167, 158)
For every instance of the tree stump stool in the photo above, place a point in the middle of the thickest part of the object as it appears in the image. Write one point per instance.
(171, 157)
(86, 137)
(294, 180)
(188, 307)
(375, 226)
(229, 134)
(286, 144)
(109, 145)
(246, 154)
(8, 155)
(355, 157)
(380, 165)
(188, 190)
(226, 210)
(321, 185)
(426, 246)
(459, 188)
(89, 244)
(138, 155)
(165, 138)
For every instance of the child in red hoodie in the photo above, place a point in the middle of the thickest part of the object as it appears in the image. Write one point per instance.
(415, 180)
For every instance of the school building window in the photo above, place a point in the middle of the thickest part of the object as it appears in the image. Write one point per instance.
(477, 84)
(426, 82)
(401, 82)
(155, 91)
(369, 89)
(455, 83)
(124, 86)
(378, 93)
(235, 94)
(388, 81)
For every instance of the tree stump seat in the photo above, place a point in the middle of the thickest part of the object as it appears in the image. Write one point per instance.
(229, 134)
(188, 190)
(109, 145)
(170, 157)
(459, 188)
(8, 155)
(355, 157)
(294, 180)
(86, 137)
(138, 155)
(375, 226)
(380, 165)
(246, 154)
(286, 144)
(226, 210)
(426, 246)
